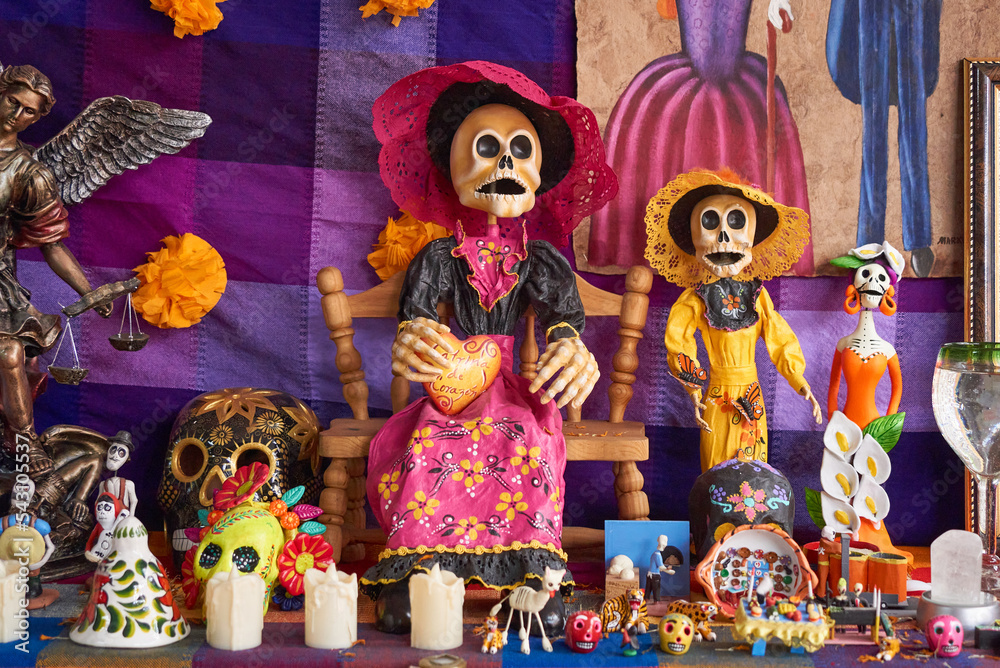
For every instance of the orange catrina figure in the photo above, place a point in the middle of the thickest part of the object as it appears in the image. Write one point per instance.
(719, 237)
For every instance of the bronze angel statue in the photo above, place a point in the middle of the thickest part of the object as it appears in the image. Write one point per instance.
(111, 135)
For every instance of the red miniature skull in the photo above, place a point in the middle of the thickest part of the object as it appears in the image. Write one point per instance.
(945, 636)
(583, 631)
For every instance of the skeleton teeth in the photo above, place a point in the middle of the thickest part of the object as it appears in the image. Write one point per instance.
(181, 542)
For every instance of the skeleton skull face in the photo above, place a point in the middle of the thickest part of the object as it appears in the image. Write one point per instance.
(217, 433)
(945, 636)
(583, 631)
(496, 158)
(245, 537)
(676, 633)
(871, 281)
(722, 230)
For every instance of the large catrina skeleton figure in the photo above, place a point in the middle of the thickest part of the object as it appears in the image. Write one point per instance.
(719, 238)
(483, 151)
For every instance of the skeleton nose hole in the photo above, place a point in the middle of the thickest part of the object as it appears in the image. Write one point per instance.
(508, 160)
(723, 237)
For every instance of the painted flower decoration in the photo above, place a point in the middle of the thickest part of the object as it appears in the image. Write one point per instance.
(421, 505)
(472, 526)
(731, 302)
(420, 440)
(189, 583)
(479, 427)
(528, 457)
(286, 601)
(870, 252)
(469, 472)
(221, 434)
(748, 501)
(269, 423)
(512, 505)
(299, 555)
(388, 485)
(242, 486)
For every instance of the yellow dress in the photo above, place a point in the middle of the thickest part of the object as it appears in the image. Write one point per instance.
(732, 369)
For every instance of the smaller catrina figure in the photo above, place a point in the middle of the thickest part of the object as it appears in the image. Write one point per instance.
(719, 237)
(116, 499)
(863, 356)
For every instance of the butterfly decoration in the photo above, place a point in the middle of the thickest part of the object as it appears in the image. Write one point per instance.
(690, 373)
(750, 405)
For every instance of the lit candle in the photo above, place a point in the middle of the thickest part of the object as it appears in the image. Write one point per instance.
(13, 606)
(436, 610)
(234, 610)
(331, 608)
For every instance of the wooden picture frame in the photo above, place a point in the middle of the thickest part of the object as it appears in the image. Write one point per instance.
(982, 213)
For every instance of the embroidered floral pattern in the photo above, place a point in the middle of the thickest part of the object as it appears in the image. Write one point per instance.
(748, 501)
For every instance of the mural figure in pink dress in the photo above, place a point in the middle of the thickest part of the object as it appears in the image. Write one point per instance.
(703, 107)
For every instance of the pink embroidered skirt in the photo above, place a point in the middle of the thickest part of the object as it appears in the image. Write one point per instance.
(479, 492)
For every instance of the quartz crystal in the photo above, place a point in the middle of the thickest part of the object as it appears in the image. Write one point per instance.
(956, 568)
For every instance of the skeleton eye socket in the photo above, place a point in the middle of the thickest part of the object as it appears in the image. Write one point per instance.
(710, 219)
(210, 555)
(520, 147)
(939, 628)
(687, 630)
(736, 219)
(245, 558)
(578, 624)
(670, 627)
(488, 146)
(865, 273)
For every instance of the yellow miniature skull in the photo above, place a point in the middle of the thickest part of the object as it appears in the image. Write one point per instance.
(496, 158)
(676, 633)
(246, 537)
(722, 230)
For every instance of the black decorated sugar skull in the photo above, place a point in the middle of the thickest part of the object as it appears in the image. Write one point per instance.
(217, 433)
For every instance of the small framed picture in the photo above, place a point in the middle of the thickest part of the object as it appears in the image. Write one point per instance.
(658, 548)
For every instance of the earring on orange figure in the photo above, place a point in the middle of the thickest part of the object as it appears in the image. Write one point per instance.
(888, 305)
(853, 302)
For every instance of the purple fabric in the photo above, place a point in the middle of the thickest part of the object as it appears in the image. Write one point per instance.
(704, 107)
(286, 182)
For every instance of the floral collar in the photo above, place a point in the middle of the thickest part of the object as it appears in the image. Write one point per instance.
(730, 305)
(491, 259)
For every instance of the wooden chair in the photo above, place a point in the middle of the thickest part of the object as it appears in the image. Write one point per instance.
(346, 441)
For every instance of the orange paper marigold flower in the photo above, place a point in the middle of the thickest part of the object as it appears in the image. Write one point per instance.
(180, 283)
(191, 17)
(398, 8)
(189, 583)
(242, 486)
(299, 555)
(399, 242)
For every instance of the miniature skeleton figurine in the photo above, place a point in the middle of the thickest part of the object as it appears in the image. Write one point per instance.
(719, 237)
(116, 499)
(863, 356)
(656, 566)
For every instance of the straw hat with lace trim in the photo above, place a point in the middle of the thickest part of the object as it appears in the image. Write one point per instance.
(781, 235)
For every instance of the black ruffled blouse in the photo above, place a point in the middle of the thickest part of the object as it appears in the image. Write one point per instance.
(545, 281)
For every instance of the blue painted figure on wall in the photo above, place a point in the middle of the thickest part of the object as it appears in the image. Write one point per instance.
(883, 53)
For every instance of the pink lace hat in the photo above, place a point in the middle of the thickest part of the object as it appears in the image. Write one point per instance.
(416, 118)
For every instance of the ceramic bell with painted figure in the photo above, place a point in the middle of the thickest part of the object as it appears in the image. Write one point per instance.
(116, 499)
(720, 237)
(131, 603)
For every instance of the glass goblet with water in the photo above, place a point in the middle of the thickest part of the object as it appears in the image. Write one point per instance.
(966, 400)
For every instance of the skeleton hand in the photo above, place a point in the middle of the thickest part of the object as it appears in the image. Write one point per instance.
(77, 510)
(420, 335)
(577, 378)
(774, 12)
(817, 412)
(698, 408)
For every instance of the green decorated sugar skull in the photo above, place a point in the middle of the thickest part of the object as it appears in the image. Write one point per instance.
(247, 538)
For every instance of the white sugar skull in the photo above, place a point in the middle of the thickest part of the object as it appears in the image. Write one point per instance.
(872, 282)
(722, 231)
(945, 635)
(496, 158)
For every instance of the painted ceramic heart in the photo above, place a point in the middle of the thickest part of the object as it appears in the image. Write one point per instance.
(474, 366)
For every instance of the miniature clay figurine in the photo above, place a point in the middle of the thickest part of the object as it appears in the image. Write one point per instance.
(888, 648)
(492, 638)
(23, 534)
(525, 599)
(828, 545)
(481, 150)
(622, 568)
(111, 135)
(700, 613)
(676, 633)
(945, 636)
(625, 612)
(656, 566)
(719, 237)
(583, 631)
(116, 499)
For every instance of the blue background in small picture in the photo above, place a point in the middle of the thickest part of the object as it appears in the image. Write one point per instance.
(637, 540)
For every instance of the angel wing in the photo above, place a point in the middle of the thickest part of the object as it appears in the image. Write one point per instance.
(111, 135)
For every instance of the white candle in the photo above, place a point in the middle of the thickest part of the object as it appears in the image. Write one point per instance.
(331, 608)
(436, 610)
(234, 610)
(13, 606)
